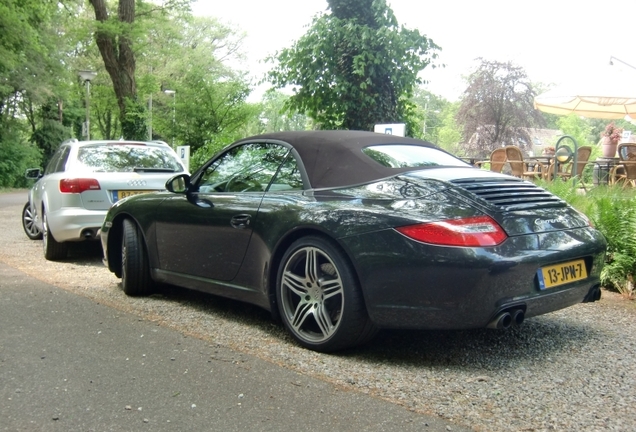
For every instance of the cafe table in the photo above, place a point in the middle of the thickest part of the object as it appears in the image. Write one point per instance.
(545, 163)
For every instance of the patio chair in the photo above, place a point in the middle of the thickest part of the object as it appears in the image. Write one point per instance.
(625, 171)
(582, 157)
(497, 160)
(519, 166)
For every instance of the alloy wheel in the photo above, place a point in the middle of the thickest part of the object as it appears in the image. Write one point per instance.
(29, 223)
(312, 294)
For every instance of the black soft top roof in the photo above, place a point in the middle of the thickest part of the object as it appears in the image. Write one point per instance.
(335, 158)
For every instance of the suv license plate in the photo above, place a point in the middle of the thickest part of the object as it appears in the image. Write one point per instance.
(117, 195)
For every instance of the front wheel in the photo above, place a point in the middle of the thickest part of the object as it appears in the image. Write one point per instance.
(135, 268)
(53, 250)
(28, 223)
(319, 298)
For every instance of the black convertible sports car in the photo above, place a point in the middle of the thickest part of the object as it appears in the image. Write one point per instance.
(340, 233)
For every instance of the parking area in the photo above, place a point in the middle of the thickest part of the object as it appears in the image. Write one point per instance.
(570, 370)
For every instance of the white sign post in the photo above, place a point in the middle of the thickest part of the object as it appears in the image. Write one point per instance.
(184, 154)
(391, 129)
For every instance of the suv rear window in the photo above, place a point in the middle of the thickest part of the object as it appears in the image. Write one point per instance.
(411, 156)
(127, 158)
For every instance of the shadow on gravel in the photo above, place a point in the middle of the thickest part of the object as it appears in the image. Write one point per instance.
(533, 341)
(226, 308)
(85, 253)
(537, 338)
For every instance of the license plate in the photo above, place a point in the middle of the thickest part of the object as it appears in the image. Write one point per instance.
(117, 195)
(560, 274)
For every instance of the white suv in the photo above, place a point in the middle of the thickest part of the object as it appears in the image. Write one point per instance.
(83, 180)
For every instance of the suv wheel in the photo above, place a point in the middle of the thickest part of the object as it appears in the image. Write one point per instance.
(53, 250)
(28, 223)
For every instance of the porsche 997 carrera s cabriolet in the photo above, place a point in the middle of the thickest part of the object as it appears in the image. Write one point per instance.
(342, 233)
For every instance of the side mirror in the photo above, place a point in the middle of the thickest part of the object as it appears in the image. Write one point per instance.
(178, 184)
(33, 173)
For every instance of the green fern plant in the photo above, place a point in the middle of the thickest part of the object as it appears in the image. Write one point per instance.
(615, 217)
(613, 213)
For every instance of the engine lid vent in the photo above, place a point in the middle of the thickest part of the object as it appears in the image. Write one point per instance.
(509, 194)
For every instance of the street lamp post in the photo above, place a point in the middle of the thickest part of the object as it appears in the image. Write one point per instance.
(150, 113)
(174, 110)
(87, 76)
(612, 58)
(150, 118)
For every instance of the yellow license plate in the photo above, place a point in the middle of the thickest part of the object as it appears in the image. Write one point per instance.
(560, 274)
(126, 193)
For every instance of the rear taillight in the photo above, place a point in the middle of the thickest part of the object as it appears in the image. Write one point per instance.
(78, 185)
(468, 232)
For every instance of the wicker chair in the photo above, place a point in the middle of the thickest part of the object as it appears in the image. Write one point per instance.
(582, 157)
(497, 160)
(519, 167)
(625, 172)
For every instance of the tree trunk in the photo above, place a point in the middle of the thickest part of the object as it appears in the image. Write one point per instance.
(119, 60)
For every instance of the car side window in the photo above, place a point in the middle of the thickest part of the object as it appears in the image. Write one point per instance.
(288, 177)
(58, 161)
(245, 168)
(50, 167)
(61, 165)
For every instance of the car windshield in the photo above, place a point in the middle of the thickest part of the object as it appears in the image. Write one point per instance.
(127, 158)
(411, 156)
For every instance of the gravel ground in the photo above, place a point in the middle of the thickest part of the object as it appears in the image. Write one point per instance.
(570, 370)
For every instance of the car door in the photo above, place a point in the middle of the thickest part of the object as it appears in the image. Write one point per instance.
(206, 232)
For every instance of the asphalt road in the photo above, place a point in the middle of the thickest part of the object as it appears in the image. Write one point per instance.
(70, 364)
(19, 197)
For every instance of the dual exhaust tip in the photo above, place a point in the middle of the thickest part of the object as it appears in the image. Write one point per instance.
(516, 315)
(507, 319)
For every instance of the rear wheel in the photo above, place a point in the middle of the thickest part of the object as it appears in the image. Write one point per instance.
(28, 223)
(53, 250)
(319, 298)
(135, 268)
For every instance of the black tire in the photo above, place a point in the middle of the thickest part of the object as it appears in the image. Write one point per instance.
(135, 268)
(53, 250)
(323, 310)
(28, 223)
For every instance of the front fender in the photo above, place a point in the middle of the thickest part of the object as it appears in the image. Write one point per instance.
(140, 209)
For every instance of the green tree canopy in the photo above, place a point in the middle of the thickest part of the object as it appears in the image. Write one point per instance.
(355, 67)
(210, 106)
(118, 33)
(449, 133)
(274, 118)
(428, 112)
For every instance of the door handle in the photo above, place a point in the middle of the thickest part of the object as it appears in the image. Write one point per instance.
(240, 221)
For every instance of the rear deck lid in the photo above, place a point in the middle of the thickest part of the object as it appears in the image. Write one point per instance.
(519, 206)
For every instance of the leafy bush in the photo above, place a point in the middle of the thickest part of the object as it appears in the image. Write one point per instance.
(612, 210)
(16, 155)
(615, 217)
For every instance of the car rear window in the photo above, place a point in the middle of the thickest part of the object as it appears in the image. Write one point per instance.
(411, 156)
(127, 158)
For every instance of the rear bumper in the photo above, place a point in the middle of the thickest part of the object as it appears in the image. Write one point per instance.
(455, 316)
(75, 224)
(432, 287)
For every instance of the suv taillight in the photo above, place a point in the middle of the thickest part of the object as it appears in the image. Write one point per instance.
(78, 185)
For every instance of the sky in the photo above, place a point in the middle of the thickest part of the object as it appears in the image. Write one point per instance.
(555, 41)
